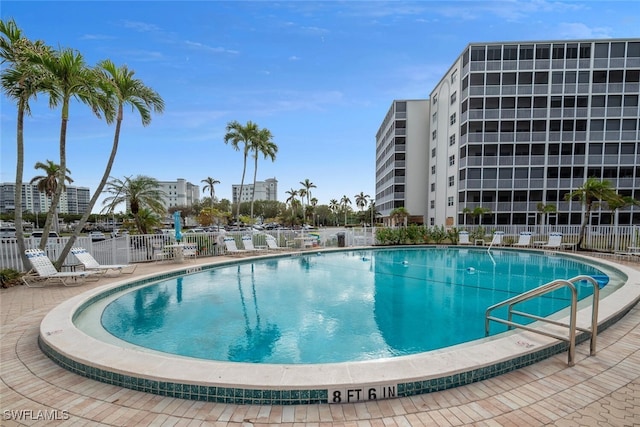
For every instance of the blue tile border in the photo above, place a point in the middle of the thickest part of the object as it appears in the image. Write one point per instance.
(241, 396)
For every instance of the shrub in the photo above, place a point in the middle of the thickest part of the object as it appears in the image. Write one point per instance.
(9, 277)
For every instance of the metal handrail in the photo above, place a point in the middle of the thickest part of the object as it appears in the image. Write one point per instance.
(544, 289)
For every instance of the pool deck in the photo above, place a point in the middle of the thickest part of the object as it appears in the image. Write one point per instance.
(599, 390)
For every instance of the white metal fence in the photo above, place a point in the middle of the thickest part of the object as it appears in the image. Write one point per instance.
(143, 248)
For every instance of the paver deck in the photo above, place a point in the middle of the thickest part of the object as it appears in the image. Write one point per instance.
(602, 390)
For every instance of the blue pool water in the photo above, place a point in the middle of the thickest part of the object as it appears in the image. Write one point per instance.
(335, 307)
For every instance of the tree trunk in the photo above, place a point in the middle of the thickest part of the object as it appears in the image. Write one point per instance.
(62, 173)
(18, 193)
(96, 195)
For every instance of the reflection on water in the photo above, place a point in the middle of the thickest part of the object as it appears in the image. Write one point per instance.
(353, 305)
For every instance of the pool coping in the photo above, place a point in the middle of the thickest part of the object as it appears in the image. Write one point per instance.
(246, 383)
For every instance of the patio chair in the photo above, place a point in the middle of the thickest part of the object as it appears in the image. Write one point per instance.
(190, 250)
(90, 263)
(496, 240)
(231, 247)
(555, 241)
(463, 238)
(247, 242)
(524, 239)
(272, 244)
(48, 274)
(160, 253)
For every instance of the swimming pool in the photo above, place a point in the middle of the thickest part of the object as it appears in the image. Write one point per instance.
(96, 354)
(336, 307)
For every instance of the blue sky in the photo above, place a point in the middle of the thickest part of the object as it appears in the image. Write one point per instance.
(320, 75)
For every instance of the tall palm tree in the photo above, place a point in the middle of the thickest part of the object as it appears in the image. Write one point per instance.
(292, 201)
(209, 184)
(21, 81)
(303, 193)
(344, 202)
(362, 200)
(307, 185)
(313, 203)
(262, 144)
(237, 135)
(591, 194)
(334, 206)
(141, 192)
(67, 77)
(118, 87)
(48, 183)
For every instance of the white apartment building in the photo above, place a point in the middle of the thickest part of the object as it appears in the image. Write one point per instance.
(264, 190)
(402, 144)
(179, 193)
(518, 124)
(74, 200)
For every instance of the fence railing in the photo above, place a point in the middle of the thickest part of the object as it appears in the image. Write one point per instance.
(601, 238)
(142, 248)
(129, 249)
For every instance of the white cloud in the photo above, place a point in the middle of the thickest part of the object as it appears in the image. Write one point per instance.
(202, 46)
(578, 30)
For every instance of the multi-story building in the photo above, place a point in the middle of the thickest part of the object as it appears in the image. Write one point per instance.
(179, 193)
(401, 148)
(264, 190)
(516, 126)
(74, 200)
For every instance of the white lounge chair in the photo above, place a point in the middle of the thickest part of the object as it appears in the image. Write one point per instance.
(524, 239)
(47, 272)
(555, 241)
(496, 240)
(90, 263)
(247, 242)
(231, 247)
(463, 238)
(272, 244)
(190, 250)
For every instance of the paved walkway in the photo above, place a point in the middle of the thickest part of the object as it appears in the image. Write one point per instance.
(598, 391)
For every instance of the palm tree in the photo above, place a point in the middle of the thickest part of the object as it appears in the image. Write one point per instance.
(237, 134)
(544, 211)
(48, 183)
(361, 202)
(478, 212)
(313, 203)
(141, 192)
(21, 81)
(344, 202)
(210, 185)
(67, 77)
(400, 215)
(292, 201)
(591, 194)
(262, 144)
(334, 206)
(305, 192)
(118, 88)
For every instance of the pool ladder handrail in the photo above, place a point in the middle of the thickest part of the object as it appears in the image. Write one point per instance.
(544, 289)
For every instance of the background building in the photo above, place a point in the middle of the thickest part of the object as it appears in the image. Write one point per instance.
(179, 193)
(402, 143)
(516, 125)
(74, 200)
(264, 190)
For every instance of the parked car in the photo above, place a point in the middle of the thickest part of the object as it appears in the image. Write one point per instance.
(38, 234)
(7, 232)
(97, 236)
